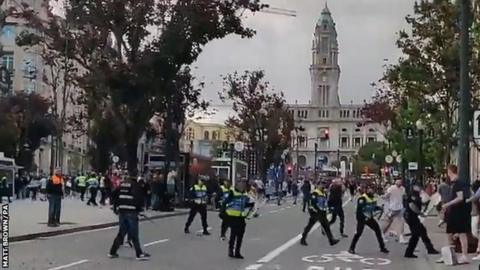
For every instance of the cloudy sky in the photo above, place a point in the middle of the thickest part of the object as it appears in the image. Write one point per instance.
(367, 30)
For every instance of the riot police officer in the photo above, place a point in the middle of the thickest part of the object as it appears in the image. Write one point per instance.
(366, 209)
(198, 195)
(225, 188)
(318, 212)
(237, 206)
(418, 230)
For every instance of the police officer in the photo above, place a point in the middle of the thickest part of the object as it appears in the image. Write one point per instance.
(235, 204)
(318, 212)
(335, 202)
(93, 188)
(366, 208)
(198, 194)
(82, 185)
(225, 188)
(418, 230)
(128, 203)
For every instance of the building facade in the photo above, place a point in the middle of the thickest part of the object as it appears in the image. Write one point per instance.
(204, 138)
(27, 73)
(338, 130)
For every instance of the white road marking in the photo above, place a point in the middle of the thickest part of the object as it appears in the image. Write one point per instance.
(156, 242)
(254, 267)
(282, 209)
(274, 253)
(69, 265)
(288, 207)
(345, 203)
(273, 211)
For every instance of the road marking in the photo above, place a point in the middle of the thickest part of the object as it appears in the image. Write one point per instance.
(156, 242)
(288, 207)
(273, 211)
(282, 209)
(345, 203)
(254, 267)
(69, 265)
(274, 253)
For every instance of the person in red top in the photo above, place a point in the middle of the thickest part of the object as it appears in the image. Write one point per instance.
(55, 195)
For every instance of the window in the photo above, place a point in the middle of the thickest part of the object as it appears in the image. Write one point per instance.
(206, 135)
(357, 130)
(302, 141)
(325, 26)
(324, 45)
(371, 130)
(354, 114)
(324, 60)
(7, 60)
(8, 33)
(344, 142)
(348, 114)
(306, 114)
(327, 114)
(371, 139)
(344, 130)
(190, 134)
(357, 142)
(214, 136)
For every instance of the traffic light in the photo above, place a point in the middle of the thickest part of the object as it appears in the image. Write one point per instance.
(326, 134)
(289, 170)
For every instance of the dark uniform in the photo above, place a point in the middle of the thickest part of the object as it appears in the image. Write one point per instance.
(128, 202)
(318, 212)
(224, 226)
(417, 229)
(235, 204)
(198, 193)
(335, 203)
(366, 208)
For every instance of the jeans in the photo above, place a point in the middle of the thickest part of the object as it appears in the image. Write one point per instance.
(128, 224)
(54, 207)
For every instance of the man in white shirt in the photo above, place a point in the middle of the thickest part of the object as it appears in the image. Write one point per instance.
(394, 198)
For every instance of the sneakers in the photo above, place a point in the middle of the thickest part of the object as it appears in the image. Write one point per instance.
(412, 256)
(344, 235)
(463, 260)
(143, 257)
(433, 251)
(351, 251)
(238, 256)
(206, 232)
(476, 258)
(112, 256)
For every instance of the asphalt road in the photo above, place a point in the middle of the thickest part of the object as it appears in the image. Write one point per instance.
(271, 243)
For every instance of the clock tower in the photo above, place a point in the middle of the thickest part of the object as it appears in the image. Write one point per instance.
(324, 70)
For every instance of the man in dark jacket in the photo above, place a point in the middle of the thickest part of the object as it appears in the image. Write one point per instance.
(128, 203)
(55, 195)
(306, 190)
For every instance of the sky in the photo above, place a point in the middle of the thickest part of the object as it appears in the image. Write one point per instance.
(367, 31)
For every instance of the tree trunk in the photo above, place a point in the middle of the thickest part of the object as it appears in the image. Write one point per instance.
(132, 159)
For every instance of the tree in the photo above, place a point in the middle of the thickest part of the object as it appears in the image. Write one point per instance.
(24, 121)
(262, 116)
(131, 52)
(425, 81)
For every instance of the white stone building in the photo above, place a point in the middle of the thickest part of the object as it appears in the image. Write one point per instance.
(337, 129)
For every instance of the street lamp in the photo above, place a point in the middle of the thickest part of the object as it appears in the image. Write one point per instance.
(420, 127)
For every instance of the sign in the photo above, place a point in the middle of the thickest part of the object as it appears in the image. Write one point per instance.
(239, 146)
(409, 133)
(476, 124)
(394, 153)
(115, 159)
(399, 159)
(389, 159)
(413, 166)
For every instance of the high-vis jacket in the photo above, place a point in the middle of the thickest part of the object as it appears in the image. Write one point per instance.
(199, 194)
(225, 191)
(319, 201)
(366, 207)
(237, 203)
(82, 181)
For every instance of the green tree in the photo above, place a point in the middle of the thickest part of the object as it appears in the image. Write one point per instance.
(131, 52)
(262, 116)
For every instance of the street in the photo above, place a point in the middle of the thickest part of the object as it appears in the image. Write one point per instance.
(271, 242)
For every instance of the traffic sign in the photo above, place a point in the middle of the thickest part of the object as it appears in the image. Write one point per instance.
(399, 159)
(115, 159)
(409, 133)
(394, 153)
(476, 124)
(389, 159)
(239, 146)
(412, 166)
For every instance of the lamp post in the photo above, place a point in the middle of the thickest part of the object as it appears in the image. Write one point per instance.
(464, 94)
(420, 128)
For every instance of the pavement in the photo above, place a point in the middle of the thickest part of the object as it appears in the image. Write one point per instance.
(29, 218)
(270, 243)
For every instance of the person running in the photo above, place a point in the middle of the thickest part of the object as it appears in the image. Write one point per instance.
(418, 230)
(366, 208)
(335, 203)
(318, 213)
(235, 205)
(128, 203)
(93, 188)
(198, 194)
(394, 198)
